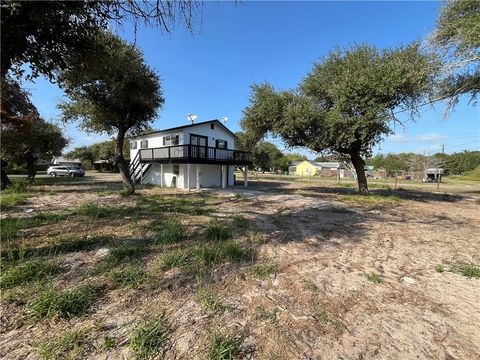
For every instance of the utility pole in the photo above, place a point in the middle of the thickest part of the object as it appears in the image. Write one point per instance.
(443, 148)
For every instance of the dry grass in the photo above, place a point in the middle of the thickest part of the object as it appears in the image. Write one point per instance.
(290, 272)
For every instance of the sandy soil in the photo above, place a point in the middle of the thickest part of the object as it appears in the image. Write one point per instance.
(325, 307)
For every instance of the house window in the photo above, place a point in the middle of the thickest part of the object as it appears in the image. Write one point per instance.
(133, 145)
(221, 144)
(176, 169)
(170, 140)
(212, 127)
(144, 144)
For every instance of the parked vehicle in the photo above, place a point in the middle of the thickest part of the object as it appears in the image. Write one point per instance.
(65, 171)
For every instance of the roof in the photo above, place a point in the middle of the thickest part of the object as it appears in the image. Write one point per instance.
(329, 165)
(218, 122)
(63, 159)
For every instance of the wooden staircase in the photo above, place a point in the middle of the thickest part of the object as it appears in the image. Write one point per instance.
(138, 169)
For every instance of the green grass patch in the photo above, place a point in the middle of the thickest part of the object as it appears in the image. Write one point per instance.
(265, 315)
(310, 285)
(12, 199)
(326, 318)
(439, 268)
(264, 270)
(467, 269)
(374, 278)
(175, 258)
(219, 253)
(217, 230)
(130, 276)
(122, 254)
(170, 231)
(65, 303)
(210, 301)
(151, 338)
(191, 205)
(109, 342)
(28, 271)
(240, 223)
(69, 345)
(226, 347)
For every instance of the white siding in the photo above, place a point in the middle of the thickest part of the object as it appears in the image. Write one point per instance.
(218, 133)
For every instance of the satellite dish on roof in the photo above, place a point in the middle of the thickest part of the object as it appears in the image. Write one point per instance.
(191, 117)
(224, 119)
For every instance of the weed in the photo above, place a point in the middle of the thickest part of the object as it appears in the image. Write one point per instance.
(323, 316)
(26, 272)
(109, 342)
(219, 253)
(65, 244)
(467, 269)
(374, 278)
(225, 347)
(240, 196)
(151, 339)
(371, 200)
(217, 230)
(264, 270)
(93, 210)
(279, 220)
(264, 315)
(69, 345)
(170, 231)
(310, 285)
(67, 304)
(210, 301)
(176, 258)
(8, 200)
(131, 276)
(125, 253)
(240, 223)
(439, 268)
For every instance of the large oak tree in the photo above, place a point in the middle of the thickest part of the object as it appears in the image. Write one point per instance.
(346, 104)
(112, 91)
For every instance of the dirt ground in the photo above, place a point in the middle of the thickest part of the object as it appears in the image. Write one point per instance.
(321, 243)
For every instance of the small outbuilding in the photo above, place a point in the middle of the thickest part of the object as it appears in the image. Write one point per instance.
(433, 174)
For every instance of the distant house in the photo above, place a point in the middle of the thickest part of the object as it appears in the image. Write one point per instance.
(312, 168)
(60, 160)
(102, 164)
(433, 174)
(190, 156)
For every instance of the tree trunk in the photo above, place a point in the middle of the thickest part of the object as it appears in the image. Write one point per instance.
(359, 165)
(30, 160)
(122, 164)
(5, 182)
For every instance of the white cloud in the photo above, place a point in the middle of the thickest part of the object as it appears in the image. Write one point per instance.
(402, 138)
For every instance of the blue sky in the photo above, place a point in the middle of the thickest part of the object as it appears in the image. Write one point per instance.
(210, 73)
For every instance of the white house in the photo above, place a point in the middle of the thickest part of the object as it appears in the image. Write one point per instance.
(188, 157)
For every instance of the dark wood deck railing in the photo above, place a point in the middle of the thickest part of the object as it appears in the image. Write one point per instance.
(195, 154)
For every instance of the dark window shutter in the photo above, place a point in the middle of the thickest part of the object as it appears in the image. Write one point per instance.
(212, 126)
(226, 147)
(216, 143)
(164, 141)
(176, 139)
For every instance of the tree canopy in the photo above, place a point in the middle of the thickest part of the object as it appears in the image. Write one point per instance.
(457, 36)
(113, 92)
(26, 137)
(346, 103)
(48, 35)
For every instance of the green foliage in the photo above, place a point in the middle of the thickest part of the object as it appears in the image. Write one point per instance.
(27, 271)
(467, 269)
(176, 258)
(374, 278)
(284, 162)
(458, 37)
(345, 104)
(102, 150)
(217, 230)
(323, 316)
(151, 338)
(210, 301)
(265, 315)
(125, 253)
(265, 155)
(219, 253)
(69, 345)
(170, 231)
(264, 270)
(66, 304)
(225, 347)
(439, 268)
(130, 275)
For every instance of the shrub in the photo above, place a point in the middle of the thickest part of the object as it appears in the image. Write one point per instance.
(151, 339)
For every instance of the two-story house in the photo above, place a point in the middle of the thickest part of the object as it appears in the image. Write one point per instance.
(188, 157)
